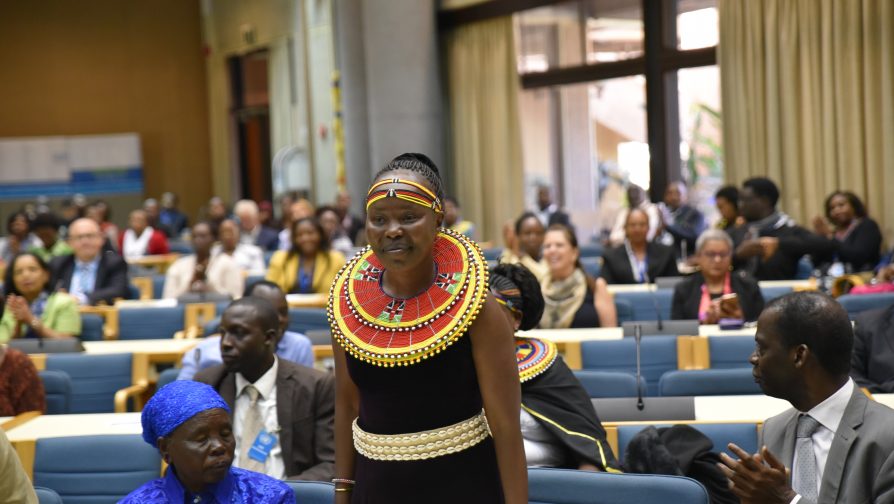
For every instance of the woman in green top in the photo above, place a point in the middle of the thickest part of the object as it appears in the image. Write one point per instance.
(33, 310)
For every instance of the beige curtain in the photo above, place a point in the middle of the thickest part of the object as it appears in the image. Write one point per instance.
(486, 146)
(808, 99)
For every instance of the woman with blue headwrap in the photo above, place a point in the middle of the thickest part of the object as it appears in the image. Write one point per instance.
(190, 425)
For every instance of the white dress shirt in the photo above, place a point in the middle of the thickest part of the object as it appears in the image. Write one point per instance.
(828, 413)
(266, 386)
(249, 257)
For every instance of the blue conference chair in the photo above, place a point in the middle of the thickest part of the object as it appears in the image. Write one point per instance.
(591, 250)
(721, 434)
(158, 286)
(708, 382)
(805, 268)
(47, 496)
(644, 303)
(855, 304)
(94, 379)
(608, 383)
(730, 351)
(149, 322)
(771, 293)
(167, 376)
(659, 355)
(624, 310)
(94, 469)
(302, 320)
(565, 486)
(312, 492)
(592, 265)
(91, 327)
(492, 254)
(57, 387)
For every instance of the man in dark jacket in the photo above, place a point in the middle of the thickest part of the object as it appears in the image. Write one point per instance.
(770, 244)
(872, 363)
(90, 275)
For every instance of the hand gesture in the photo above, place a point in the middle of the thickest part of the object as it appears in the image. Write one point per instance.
(769, 246)
(821, 227)
(19, 308)
(757, 479)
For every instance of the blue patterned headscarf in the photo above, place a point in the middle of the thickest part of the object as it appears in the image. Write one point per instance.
(176, 403)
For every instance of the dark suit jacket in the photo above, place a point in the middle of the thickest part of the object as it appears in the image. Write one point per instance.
(111, 277)
(305, 403)
(268, 239)
(616, 265)
(872, 363)
(860, 466)
(688, 296)
(794, 242)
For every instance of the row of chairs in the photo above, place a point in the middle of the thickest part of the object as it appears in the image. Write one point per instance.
(102, 469)
(677, 383)
(104, 383)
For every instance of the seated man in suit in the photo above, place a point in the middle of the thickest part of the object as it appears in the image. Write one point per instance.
(90, 275)
(770, 244)
(290, 346)
(253, 231)
(872, 364)
(283, 413)
(837, 444)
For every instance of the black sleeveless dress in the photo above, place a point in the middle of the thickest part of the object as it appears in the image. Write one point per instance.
(437, 392)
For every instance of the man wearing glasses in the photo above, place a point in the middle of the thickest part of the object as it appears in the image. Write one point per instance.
(90, 275)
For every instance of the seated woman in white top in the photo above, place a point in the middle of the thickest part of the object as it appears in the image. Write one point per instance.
(202, 272)
(249, 257)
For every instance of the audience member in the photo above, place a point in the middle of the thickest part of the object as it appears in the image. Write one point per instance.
(265, 215)
(715, 292)
(727, 201)
(153, 211)
(338, 238)
(293, 404)
(309, 266)
(246, 211)
(769, 245)
(453, 218)
(529, 234)
(190, 425)
(291, 346)
(140, 239)
(171, 220)
(559, 426)
(682, 222)
(46, 227)
(573, 298)
(548, 212)
(33, 309)
(300, 209)
(249, 257)
(72, 209)
(285, 207)
(19, 238)
(872, 363)
(216, 212)
(15, 487)
(90, 275)
(636, 199)
(352, 224)
(857, 238)
(99, 211)
(637, 260)
(21, 389)
(837, 442)
(204, 273)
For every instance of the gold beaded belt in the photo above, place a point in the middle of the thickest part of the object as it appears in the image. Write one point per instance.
(422, 445)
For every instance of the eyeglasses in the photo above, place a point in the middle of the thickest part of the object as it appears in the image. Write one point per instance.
(716, 256)
(82, 237)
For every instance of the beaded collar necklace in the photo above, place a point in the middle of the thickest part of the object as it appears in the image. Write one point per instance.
(534, 356)
(384, 330)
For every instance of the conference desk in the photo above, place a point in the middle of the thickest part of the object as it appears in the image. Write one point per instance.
(796, 285)
(24, 437)
(307, 300)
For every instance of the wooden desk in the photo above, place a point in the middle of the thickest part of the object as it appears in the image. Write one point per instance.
(160, 262)
(797, 285)
(886, 399)
(109, 316)
(738, 408)
(24, 437)
(307, 300)
(11, 422)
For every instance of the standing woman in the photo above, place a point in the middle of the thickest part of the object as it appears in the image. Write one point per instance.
(573, 298)
(309, 266)
(857, 237)
(420, 349)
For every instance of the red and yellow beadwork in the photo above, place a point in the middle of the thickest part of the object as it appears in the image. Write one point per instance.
(380, 329)
(534, 356)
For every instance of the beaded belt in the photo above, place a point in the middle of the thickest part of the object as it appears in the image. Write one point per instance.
(422, 445)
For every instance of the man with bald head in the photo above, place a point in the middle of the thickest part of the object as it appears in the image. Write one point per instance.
(90, 275)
